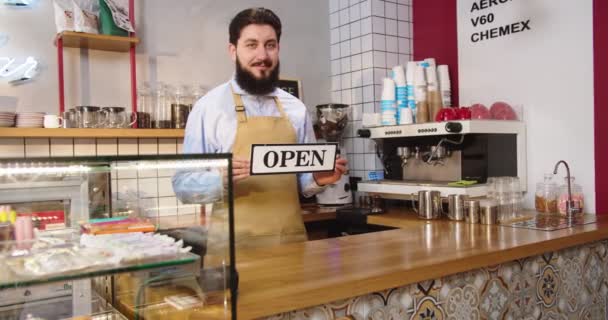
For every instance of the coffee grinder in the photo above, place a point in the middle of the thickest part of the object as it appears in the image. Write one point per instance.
(333, 119)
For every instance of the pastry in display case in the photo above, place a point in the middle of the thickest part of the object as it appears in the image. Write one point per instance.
(117, 238)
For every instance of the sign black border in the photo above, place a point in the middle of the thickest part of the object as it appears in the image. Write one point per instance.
(290, 144)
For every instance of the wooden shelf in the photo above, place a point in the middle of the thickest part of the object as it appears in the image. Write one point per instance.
(90, 133)
(96, 41)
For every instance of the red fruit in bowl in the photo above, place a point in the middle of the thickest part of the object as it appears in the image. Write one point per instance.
(479, 111)
(446, 114)
(464, 113)
(502, 111)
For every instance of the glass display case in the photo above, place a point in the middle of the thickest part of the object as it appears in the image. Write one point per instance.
(142, 237)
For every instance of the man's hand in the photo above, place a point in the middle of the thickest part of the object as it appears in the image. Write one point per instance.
(329, 177)
(240, 169)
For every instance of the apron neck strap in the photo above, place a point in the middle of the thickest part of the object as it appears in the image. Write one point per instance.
(239, 107)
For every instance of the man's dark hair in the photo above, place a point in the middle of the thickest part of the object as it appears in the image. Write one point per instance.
(253, 16)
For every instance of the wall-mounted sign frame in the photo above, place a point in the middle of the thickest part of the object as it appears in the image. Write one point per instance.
(291, 86)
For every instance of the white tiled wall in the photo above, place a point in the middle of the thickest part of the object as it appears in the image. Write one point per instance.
(154, 186)
(367, 39)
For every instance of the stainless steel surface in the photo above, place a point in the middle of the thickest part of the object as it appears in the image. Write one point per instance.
(572, 207)
(552, 222)
(429, 205)
(456, 206)
(450, 168)
(471, 211)
(488, 214)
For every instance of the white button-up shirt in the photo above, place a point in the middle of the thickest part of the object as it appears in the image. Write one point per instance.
(212, 125)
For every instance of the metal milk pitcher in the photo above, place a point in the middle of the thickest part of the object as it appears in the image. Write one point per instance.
(429, 204)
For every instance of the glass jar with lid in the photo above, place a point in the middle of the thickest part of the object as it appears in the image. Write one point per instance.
(144, 106)
(162, 111)
(545, 199)
(180, 106)
(577, 196)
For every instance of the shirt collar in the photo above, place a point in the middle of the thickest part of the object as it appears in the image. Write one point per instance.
(238, 90)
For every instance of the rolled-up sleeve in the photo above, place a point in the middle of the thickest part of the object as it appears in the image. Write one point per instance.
(203, 186)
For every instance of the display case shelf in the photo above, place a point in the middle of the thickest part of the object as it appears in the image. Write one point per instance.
(9, 279)
(97, 41)
(90, 133)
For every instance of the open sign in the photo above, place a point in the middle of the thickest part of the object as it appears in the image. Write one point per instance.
(292, 158)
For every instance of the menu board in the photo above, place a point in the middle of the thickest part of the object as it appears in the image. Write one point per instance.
(292, 86)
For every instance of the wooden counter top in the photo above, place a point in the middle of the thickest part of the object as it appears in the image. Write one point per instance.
(299, 275)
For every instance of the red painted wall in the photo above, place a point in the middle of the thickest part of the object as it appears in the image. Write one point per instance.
(435, 35)
(600, 56)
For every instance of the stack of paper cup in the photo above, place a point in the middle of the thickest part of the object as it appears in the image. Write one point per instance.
(401, 90)
(444, 85)
(409, 77)
(388, 107)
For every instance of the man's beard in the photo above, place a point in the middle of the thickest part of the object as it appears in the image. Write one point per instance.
(255, 86)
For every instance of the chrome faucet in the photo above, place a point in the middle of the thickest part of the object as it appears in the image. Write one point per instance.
(572, 207)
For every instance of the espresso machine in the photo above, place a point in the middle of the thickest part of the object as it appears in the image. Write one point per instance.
(332, 121)
(453, 157)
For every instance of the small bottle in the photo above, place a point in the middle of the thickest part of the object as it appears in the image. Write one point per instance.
(162, 110)
(144, 106)
(577, 196)
(410, 74)
(545, 199)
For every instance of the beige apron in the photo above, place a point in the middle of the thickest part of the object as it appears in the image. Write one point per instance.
(266, 207)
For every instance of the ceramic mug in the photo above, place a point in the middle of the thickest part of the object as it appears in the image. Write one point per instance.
(52, 121)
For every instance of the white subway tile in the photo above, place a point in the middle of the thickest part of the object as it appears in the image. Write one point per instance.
(355, 29)
(392, 60)
(403, 13)
(368, 76)
(183, 209)
(357, 97)
(368, 94)
(12, 148)
(165, 187)
(147, 173)
(355, 12)
(377, 104)
(353, 2)
(166, 172)
(345, 49)
(366, 25)
(403, 29)
(407, 2)
(390, 10)
(180, 145)
(62, 147)
(148, 187)
(334, 36)
(167, 146)
(334, 5)
(127, 147)
(335, 67)
(404, 46)
(348, 145)
(126, 186)
(378, 8)
(355, 62)
(379, 42)
(344, 4)
(37, 147)
(366, 8)
(336, 96)
(335, 51)
(369, 146)
(167, 206)
(346, 96)
(357, 108)
(335, 83)
(345, 65)
(369, 107)
(378, 25)
(370, 161)
(358, 143)
(391, 27)
(357, 79)
(379, 74)
(367, 43)
(355, 46)
(403, 59)
(85, 147)
(391, 44)
(379, 59)
(344, 32)
(348, 131)
(346, 81)
(107, 147)
(148, 146)
(344, 17)
(334, 20)
(358, 163)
